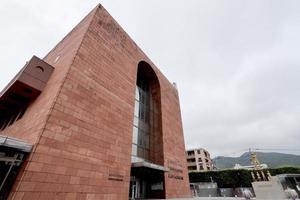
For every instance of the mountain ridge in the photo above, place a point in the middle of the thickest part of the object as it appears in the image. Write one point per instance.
(272, 159)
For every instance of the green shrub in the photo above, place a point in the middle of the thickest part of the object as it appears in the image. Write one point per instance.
(284, 170)
(232, 178)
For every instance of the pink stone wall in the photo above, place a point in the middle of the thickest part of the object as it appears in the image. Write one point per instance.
(81, 124)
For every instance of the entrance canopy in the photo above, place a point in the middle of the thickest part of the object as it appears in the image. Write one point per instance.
(145, 164)
(15, 144)
(147, 180)
(12, 154)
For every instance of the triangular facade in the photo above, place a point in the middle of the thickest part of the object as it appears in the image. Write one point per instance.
(107, 124)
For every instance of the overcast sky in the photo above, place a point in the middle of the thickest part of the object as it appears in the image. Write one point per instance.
(236, 63)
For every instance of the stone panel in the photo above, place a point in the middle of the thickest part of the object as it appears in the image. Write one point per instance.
(81, 124)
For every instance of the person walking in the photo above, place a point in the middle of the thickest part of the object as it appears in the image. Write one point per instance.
(247, 194)
(291, 193)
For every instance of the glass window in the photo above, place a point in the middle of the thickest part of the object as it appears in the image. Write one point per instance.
(135, 135)
(134, 150)
(146, 155)
(142, 113)
(136, 121)
(136, 108)
(141, 139)
(146, 141)
(137, 94)
(143, 126)
(140, 152)
(143, 97)
(147, 114)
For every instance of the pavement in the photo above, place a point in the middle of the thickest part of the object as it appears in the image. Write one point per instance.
(213, 198)
(218, 198)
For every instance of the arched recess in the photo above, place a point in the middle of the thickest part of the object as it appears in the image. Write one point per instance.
(147, 134)
(147, 170)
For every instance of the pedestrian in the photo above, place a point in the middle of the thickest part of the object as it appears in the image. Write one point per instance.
(247, 194)
(291, 193)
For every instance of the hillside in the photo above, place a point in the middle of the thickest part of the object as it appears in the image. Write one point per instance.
(271, 159)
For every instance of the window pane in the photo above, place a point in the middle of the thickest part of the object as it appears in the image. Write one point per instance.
(146, 154)
(136, 108)
(135, 135)
(141, 122)
(147, 115)
(140, 138)
(144, 126)
(140, 152)
(134, 150)
(137, 94)
(142, 99)
(142, 113)
(136, 121)
(146, 141)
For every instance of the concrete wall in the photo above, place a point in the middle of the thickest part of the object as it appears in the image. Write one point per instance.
(269, 189)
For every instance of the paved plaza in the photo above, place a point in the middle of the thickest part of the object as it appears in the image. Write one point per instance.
(213, 198)
(218, 198)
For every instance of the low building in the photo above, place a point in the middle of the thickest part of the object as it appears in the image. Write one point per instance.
(249, 167)
(199, 160)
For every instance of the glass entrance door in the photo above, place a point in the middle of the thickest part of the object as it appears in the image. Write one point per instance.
(9, 166)
(137, 189)
(134, 192)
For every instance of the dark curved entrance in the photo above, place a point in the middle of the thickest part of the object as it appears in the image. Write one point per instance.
(147, 171)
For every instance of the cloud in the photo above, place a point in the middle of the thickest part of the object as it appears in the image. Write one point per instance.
(236, 62)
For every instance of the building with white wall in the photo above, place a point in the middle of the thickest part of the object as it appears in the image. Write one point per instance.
(199, 160)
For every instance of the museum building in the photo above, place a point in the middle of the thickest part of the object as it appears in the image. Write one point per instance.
(93, 119)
